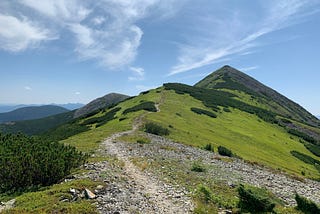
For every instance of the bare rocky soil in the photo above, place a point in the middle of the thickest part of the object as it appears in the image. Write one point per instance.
(128, 189)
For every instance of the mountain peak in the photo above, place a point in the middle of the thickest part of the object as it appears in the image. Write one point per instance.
(231, 79)
(100, 103)
(224, 74)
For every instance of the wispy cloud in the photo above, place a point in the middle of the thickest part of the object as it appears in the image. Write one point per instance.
(18, 34)
(250, 68)
(220, 37)
(138, 74)
(27, 88)
(77, 93)
(106, 31)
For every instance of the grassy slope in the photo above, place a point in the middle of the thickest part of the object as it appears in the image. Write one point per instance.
(37, 126)
(89, 141)
(245, 134)
(48, 200)
(258, 102)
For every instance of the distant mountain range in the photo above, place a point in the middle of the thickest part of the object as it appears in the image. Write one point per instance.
(31, 112)
(37, 126)
(11, 107)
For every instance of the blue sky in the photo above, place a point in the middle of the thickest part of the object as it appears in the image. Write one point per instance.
(61, 51)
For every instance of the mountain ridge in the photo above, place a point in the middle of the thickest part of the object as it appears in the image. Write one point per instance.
(4, 108)
(42, 125)
(100, 103)
(32, 112)
(228, 77)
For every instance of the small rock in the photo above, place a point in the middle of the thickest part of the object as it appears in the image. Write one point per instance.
(232, 185)
(89, 194)
(65, 200)
(72, 191)
(82, 194)
(70, 177)
(7, 205)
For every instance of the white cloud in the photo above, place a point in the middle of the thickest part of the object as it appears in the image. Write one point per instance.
(18, 34)
(218, 37)
(138, 74)
(60, 10)
(28, 88)
(105, 31)
(111, 49)
(98, 20)
(77, 93)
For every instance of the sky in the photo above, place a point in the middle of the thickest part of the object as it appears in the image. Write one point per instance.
(69, 51)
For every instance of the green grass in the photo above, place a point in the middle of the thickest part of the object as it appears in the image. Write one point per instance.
(90, 140)
(48, 200)
(245, 134)
(134, 138)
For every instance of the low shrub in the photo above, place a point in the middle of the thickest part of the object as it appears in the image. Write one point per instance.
(205, 112)
(122, 118)
(209, 147)
(226, 109)
(315, 149)
(148, 106)
(144, 92)
(143, 141)
(197, 167)
(303, 135)
(286, 121)
(224, 151)
(306, 206)
(305, 158)
(204, 193)
(156, 129)
(255, 200)
(27, 162)
(110, 115)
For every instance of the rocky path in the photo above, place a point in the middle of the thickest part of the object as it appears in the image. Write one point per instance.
(153, 195)
(131, 190)
(234, 171)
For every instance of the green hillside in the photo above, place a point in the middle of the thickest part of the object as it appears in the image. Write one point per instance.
(37, 126)
(67, 120)
(230, 79)
(245, 134)
(220, 112)
(30, 113)
(250, 132)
